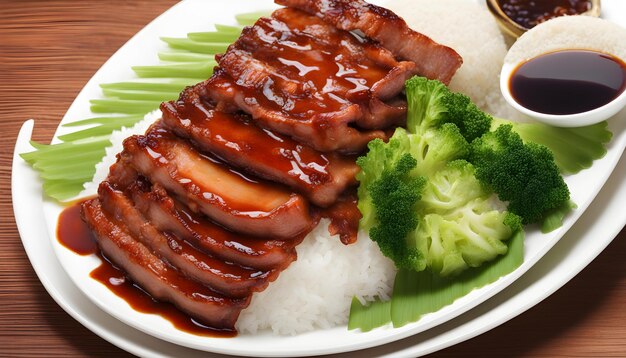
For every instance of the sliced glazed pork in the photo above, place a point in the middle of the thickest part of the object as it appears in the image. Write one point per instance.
(229, 198)
(227, 278)
(157, 277)
(169, 215)
(301, 76)
(433, 60)
(238, 141)
(325, 132)
(208, 206)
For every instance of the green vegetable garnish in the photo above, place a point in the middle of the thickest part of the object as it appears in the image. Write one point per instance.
(431, 104)
(523, 174)
(419, 293)
(590, 142)
(394, 196)
(463, 225)
(420, 198)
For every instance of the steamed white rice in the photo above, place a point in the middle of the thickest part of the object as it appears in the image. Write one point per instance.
(471, 31)
(316, 291)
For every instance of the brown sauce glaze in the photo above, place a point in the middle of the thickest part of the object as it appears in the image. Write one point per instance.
(236, 135)
(344, 218)
(116, 281)
(568, 82)
(73, 233)
(170, 215)
(208, 231)
(325, 131)
(330, 54)
(334, 68)
(228, 184)
(530, 13)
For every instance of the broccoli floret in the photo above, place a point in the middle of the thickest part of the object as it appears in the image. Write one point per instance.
(381, 156)
(423, 205)
(524, 175)
(432, 104)
(435, 147)
(459, 202)
(431, 210)
(451, 188)
(590, 142)
(395, 195)
(462, 224)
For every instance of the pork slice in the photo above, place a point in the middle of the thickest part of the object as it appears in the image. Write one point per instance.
(434, 60)
(156, 277)
(325, 132)
(228, 278)
(392, 112)
(239, 142)
(237, 202)
(355, 58)
(167, 214)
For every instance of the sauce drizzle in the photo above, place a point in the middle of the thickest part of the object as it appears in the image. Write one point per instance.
(116, 281)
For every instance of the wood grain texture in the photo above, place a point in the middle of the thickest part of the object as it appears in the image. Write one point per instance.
(48, 51)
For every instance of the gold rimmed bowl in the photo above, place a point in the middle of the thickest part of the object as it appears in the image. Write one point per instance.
(515, 29)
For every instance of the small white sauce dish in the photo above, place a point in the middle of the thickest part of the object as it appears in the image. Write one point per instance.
(560, 120)
(561, 34)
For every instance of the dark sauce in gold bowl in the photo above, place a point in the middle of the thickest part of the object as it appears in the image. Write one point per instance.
(568, 82)
(529, 13)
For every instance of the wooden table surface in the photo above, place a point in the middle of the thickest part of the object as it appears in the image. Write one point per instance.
(48, 51)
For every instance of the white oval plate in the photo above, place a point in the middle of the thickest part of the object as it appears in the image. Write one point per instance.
(196, 16)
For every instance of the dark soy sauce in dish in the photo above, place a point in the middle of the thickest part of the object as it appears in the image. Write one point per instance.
(74, 234)
(568, 82)
(529, 13)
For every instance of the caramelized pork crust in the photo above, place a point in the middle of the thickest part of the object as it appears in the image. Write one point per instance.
(239, 142)
(433, 60)
(169, 215)
(325, 132)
